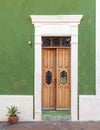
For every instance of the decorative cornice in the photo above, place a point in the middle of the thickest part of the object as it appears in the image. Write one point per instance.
(56, 19)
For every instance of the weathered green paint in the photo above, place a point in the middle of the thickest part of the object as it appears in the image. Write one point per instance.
(17, 58)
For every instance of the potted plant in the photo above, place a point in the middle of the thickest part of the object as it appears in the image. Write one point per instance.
(12, 114)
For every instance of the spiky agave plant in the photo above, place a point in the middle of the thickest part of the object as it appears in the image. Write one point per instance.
(12, 111)
(12, 114)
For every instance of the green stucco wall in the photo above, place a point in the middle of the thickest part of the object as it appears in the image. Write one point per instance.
(17, 58)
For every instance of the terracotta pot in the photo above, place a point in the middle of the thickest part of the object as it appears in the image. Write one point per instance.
(13, 119)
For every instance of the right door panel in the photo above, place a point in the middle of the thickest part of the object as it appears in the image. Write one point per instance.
(63, 78)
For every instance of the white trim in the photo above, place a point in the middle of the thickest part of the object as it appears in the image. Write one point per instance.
(56, 25)
(55, 19)
(89, 108)
(23, 102)
(98, 48)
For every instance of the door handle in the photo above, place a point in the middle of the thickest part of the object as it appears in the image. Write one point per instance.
(55, 80)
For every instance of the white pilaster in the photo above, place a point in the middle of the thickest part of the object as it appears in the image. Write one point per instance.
(74, 82)
(38, 78)
(98, 48)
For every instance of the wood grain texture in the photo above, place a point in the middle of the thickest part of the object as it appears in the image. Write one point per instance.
(56, 95)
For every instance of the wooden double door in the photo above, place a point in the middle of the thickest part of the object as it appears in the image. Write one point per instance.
(56, 78)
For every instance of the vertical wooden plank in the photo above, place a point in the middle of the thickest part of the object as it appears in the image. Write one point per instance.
(48, 90)
(63, 90)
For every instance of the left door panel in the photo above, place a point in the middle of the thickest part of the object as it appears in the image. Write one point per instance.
(48, 79)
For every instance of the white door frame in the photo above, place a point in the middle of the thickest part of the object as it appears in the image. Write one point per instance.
(56, 25)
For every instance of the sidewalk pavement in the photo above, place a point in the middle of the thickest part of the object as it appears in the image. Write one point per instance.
(51, 125)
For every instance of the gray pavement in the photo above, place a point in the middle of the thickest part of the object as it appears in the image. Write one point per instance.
(51, 125)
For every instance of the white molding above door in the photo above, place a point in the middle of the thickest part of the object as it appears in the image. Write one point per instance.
(56, 25)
